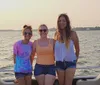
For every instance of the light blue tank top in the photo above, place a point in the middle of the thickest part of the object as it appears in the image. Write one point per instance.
(62, 53)
(23, 52)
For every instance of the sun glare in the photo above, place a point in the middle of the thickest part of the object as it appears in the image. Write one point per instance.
(7, 4)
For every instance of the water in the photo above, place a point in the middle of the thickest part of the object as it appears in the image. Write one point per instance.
(89, 51)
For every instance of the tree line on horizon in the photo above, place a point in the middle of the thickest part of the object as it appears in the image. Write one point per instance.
(53, 29)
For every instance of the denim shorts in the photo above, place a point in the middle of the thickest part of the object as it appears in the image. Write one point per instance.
(65, 65)
(20, 75)
(44, 69)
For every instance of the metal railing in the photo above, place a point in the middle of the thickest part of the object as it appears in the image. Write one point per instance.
(85, 67)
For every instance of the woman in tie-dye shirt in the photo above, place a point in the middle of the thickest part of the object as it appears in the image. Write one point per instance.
(22, 64)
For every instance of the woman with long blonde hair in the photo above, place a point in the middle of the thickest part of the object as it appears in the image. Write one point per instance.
(44, 71)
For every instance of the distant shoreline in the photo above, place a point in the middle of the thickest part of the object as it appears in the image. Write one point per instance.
(74, 28)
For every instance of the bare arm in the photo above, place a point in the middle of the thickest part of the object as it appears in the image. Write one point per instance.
(33, 51)
(54, 47)
(76, 43)
(55, 36)
(53, 43)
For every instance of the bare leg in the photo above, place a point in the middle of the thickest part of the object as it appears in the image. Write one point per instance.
(69, 74)
(40, 79)
(61, 75)
(49, 79)
(28, 80)
(21, 81)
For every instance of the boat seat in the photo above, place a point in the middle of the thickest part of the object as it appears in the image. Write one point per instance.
(95, 81)
(4, 82)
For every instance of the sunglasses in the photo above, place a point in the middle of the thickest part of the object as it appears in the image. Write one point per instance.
(42, 30)
(27, 33)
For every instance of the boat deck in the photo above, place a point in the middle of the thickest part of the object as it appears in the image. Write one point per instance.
(34, 82)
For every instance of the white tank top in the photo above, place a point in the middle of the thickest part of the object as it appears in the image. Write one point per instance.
(62, 53)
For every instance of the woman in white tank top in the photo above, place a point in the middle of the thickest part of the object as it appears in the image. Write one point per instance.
(65, 56)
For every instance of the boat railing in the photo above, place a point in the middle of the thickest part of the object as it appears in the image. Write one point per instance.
(85, 67)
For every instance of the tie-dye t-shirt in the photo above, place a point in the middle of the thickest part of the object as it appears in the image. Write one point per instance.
(22, 59)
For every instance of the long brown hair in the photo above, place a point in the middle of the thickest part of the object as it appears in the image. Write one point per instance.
(59, 36)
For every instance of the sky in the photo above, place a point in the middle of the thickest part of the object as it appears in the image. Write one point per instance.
(15, 13)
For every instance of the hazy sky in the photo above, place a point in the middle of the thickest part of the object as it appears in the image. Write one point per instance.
(15, 13)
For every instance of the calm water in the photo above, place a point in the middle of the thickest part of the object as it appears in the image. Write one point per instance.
(89, 51)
